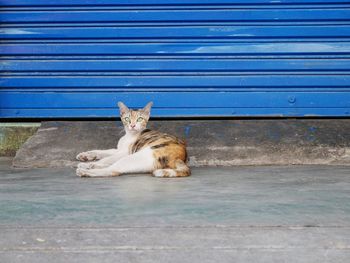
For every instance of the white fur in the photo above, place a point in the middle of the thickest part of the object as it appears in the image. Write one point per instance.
(125, 141)
(95, 154)
(122, 149)
(116, 161)
(139, 162)
(161, 173)
(105, 162)
(88, 165)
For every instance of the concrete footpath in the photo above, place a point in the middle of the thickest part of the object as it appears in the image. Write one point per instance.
(226, 214)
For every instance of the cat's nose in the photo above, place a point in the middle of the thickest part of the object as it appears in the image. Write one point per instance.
(132, 125)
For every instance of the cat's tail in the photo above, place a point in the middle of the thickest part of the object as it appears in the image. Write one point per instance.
(181, 170)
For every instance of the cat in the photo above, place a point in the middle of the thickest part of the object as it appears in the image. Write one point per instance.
(140, 150)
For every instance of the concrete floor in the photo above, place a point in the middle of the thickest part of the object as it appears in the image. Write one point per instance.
(232, 214)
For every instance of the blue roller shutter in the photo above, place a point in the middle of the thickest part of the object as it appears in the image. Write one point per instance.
(77, 58)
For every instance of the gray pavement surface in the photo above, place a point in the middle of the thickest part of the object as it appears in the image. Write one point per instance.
(219, 214)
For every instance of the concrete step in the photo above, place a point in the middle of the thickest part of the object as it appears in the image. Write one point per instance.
(210, 142)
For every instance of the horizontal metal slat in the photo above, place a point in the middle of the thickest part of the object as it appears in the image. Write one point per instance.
(156, 2)
(95, 100)
(171, 32)
(212, 100)
(177, 112)
(177, 48)
(173, 24)
(340, 14)
(177, 65)
(176, 7)
(173, 57)
(214, 82)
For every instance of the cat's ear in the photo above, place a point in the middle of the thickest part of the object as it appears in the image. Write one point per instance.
(122, 107)
(147, 108)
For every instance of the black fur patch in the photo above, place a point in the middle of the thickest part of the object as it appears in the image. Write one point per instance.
(159, 145)
(145, 130)
(144, 139)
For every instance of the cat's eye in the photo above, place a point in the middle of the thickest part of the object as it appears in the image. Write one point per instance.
(127, 119)
(139, 119)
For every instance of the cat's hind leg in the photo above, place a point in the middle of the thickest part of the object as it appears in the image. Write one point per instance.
(139, 162)
(181, 170)
(95, 155)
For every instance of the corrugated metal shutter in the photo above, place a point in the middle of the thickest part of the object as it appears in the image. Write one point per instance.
(65, 58)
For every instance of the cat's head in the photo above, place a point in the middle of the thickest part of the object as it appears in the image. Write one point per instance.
(134, 120)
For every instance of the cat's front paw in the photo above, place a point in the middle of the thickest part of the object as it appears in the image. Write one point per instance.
(86, 166)
(86, 173)
(91, 165)
(82, 172)
(96, 173)
(86, 156)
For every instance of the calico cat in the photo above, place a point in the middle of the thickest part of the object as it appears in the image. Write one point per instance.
(140, 150)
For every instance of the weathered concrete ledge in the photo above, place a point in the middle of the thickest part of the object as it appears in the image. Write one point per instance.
(210, 142)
